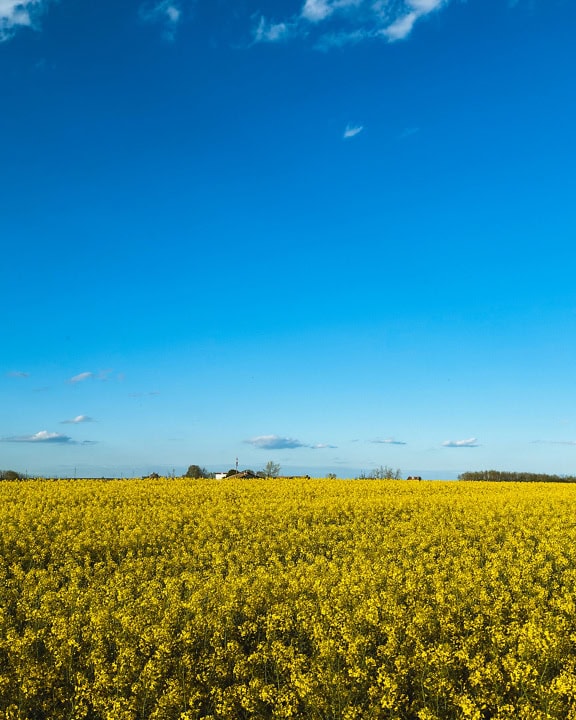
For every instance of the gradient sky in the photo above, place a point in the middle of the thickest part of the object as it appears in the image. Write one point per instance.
(335, 234)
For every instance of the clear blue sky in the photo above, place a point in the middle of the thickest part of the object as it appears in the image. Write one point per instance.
(333, 234)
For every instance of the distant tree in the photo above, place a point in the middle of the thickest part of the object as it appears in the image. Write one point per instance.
(10, 475)
(382, 473)
(331, 476)
(231, 472)
(272, 469)
(195, 472)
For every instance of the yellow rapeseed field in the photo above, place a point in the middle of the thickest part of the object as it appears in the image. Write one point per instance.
(176, 600)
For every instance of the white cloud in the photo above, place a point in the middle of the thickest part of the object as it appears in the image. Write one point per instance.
(271, 32)
(425, 6)
(471, 442)
(166, 13)
(17, 13)
(400, 28)
(333, 23)
(41, 437)
(78, 419)
(352, 130)
(274, 442)
(316, 10)
(81, 377)
(553, 442)
(388, 441)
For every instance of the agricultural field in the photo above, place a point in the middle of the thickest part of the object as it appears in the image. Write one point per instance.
(322, 599)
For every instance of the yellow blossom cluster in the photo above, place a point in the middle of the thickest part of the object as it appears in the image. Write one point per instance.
(319, 599)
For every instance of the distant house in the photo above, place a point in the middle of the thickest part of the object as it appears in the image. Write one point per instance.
(243, 474)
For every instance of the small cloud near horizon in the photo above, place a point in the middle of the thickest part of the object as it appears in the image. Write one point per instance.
(18, 374)
(275, 442)
(553, 442)
(81, 377)
(78, 419)
(41, 437)
(471, 442)
(388, 441)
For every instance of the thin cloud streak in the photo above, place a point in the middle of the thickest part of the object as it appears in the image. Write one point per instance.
(471, 442)
(81, 377)
(408, 132)
(275, 442)
(553, 442)
(78, 419)
(352, 130)
(388, 441)
(42, 437)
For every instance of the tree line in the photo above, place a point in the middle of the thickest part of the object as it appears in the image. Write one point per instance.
(505, 476)
(196, 472)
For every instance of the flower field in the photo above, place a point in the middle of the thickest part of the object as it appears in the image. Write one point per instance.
(174, 600)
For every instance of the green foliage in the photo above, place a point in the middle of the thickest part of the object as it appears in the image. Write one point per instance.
(196, 472)
(10, 475)
(271, 469)
(504, 476)
(382, 473)
(331, 476)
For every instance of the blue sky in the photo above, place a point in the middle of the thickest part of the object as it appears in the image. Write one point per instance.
(335, 234)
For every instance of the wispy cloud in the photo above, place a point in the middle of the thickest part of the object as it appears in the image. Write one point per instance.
(166, 13)
(334, 23)
(400, 28)
(77, 420)
(272, 32)
(388, 441)
(143, 394)
(41, 437)
(82, 376)
(275, 442)
(18, 373)
(471, 442)
(553, 442)
(408, 132)
(18, 13)
(352, 130)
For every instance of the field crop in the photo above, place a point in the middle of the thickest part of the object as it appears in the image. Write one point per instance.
(177, 600)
